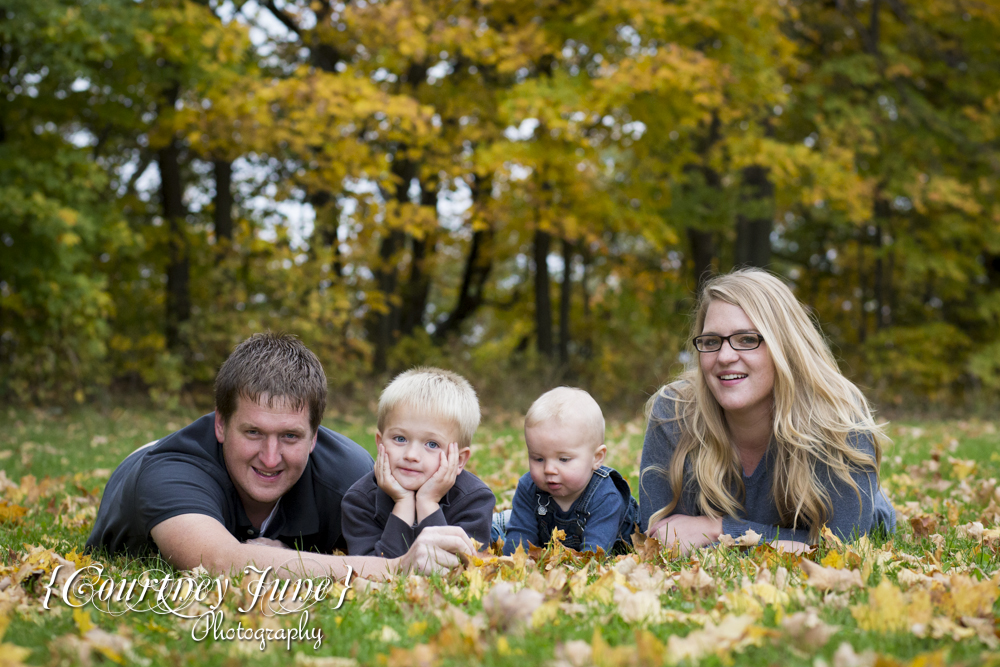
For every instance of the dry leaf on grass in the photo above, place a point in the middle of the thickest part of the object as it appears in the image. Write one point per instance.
(829, 578)
(807, 630)
(642, 607)
(845, 656)
(696, 581)
(506, 609)
(732, 632)
(574, 653)
(751, 538)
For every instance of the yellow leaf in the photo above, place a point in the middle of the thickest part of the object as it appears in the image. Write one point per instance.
(9, 512)
(545, 614)
(12, 655)
(82, 620)
(834, 559)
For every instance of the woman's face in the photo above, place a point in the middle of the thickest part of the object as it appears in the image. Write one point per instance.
(742, 381)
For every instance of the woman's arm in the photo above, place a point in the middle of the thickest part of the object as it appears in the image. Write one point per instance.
(851, 517)
(657, 453)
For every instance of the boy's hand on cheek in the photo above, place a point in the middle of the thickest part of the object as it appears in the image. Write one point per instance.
(386, 480)
(405, 507)
(435, 488)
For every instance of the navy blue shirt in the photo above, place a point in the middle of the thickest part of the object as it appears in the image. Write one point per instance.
(185, 473)
(371, 529)
(847, 516)
(607, 508)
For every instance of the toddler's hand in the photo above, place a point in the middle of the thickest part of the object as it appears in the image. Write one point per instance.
(434, 489)
(385, 479)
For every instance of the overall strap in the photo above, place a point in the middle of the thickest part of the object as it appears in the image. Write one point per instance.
(583, 505)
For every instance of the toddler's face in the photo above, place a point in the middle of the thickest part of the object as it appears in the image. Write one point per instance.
(413, 442)
(561, 460)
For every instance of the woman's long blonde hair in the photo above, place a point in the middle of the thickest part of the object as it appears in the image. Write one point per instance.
(815, 409)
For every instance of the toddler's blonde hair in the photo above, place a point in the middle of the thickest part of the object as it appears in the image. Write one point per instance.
(564, 404)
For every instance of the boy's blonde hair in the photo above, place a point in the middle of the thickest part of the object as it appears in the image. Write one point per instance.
(568, 405)
(434, 390)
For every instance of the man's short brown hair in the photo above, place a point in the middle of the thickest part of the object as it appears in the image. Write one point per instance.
(277, 366)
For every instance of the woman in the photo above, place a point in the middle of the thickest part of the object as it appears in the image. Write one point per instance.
(764, 433)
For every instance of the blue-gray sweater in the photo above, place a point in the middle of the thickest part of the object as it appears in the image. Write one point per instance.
(848, 518)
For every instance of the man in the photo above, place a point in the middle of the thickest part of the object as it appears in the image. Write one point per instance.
(257, 477)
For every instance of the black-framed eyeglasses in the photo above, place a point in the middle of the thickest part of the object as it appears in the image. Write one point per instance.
(738, 341)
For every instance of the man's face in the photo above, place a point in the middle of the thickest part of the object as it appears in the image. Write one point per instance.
(265, 449)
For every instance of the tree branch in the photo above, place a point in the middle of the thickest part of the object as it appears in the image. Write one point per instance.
(284, 17)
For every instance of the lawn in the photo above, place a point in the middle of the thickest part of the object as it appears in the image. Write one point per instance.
(925, 596)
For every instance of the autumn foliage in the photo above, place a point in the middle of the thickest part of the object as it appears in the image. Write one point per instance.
(525, 189)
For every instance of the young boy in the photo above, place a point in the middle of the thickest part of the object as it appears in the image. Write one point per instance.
(426, 420)
(567, 486)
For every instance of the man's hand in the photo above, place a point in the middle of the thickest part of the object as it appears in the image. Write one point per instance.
(686, 532)
(434, 489)
(434, 551)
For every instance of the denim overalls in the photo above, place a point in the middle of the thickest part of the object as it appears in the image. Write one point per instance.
(546, 508)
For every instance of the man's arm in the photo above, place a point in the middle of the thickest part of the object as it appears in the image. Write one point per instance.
(189, 540)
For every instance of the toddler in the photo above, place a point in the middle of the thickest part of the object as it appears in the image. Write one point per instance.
(567, 486)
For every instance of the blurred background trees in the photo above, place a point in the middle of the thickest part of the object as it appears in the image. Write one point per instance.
(527, 191)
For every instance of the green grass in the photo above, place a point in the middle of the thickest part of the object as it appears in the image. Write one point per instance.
(70, 455)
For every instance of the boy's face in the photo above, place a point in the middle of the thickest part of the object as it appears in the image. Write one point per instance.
(414, 441)
(561, 460)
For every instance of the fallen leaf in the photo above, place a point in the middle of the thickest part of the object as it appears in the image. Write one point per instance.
(696, 581)
(828, 578)
(731, 633)
(642, 607)
(11, 513)
(845, 656)
(505, 609)
(807, 630)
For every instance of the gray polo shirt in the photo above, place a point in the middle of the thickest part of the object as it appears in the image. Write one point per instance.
(185, 473)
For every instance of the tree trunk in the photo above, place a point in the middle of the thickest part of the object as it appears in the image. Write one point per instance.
(384, 323)
(384, 326)
(179, 266)
(418, 287)
(702, 254)
(478, 264)
(565, 296)
(543, 301)
(753, 224)
(862, 287)
(223, 200)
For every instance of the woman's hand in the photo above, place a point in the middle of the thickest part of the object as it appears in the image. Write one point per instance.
(686, 532)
